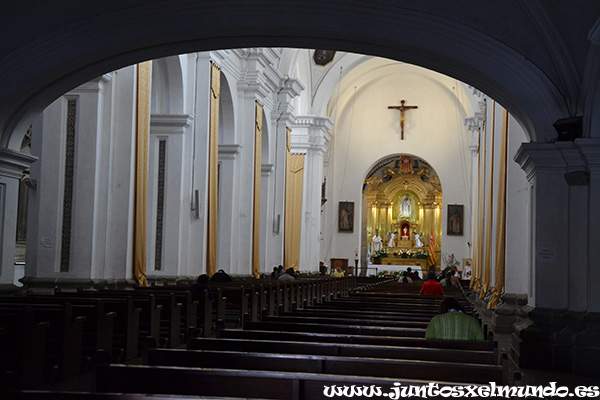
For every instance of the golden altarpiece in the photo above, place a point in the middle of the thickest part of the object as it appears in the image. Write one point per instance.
(402, 199)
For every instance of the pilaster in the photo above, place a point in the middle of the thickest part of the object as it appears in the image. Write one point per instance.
(283, 118)
(169, 195)
(259, 81)
(12, 165)
(590, 151)
(545, 165)
(310, 136)
(545, 168)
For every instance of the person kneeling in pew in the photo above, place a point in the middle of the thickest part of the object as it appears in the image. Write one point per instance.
(198, 288)
(453, 324)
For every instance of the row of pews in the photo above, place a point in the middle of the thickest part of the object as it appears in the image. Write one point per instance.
(51, 338)
(264, 339)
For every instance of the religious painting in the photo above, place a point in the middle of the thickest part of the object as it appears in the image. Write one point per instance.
(455, 219)
(323, 57)
(467, 268)
(346, 216)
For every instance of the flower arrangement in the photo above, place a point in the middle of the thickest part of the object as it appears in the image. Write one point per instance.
(419, 254)
(381, 253)
(383, 273)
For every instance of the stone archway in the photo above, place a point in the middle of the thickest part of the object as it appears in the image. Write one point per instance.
(73, 46)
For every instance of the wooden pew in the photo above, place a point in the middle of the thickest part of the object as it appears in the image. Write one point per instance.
(337, 329)
(97, 330)
(126, 322)
(149, 321)
(337, 320)
(23, 348)
(346, 349)
(231, 383)
(64, 337)
(63, 395)
(359, 339)
(332, 365)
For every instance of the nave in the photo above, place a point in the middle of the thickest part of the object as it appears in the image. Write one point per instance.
(257, 339)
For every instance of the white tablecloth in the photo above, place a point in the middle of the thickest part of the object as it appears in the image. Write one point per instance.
(376, 268)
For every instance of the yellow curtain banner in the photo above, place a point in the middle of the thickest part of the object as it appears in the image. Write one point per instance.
(213, 165)
(487, 262)
(144, 83)
(500, 219)
(257, 176)
(294, 181)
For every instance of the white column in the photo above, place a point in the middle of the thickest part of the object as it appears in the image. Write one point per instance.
(169, 197)
(282, 118)
(577, 228)
(545, 170)
(259, 80)
(227, 223)
(92, 147)
(119, 217)
(12, 165)
(473, 148)
(310, 135)
(266, 212)
(86, 234)
(197, 239)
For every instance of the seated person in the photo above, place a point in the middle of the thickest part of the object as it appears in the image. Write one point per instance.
(450, 279)
(453, 324)
(277, 271)
(198, 288)
(431, 287)
(415, 276)
(406, 276)
(288, 276)
(338, 273)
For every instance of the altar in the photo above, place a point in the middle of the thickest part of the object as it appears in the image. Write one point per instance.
(398, 261)
(374, 269)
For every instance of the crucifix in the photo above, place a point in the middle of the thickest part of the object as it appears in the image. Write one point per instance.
(402, 108)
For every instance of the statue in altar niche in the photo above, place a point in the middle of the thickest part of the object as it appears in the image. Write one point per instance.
(376, 242)
(405, 207)
(418, 242)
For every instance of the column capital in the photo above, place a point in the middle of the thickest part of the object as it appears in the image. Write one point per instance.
(13, 163)
(573, 159)
(540, 158)
(95, 85)
(169, 123)
(310, 132)
(229, 151)
(590, 151)
(283, 111)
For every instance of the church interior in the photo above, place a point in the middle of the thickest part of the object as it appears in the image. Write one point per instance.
(146, 143)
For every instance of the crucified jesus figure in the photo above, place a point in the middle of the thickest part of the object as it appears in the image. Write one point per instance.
(402, 108)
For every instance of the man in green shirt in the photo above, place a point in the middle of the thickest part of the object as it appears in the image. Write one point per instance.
(453, 324)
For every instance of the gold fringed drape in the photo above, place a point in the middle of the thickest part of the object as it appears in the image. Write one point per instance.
(487, 262)
(294, 181)
(213, 165)
(476, 207)
(144, 82)
(500, 219)
(257, 175)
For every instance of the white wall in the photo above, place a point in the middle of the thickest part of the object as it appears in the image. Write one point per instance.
(366, 131)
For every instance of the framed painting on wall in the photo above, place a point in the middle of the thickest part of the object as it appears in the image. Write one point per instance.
(455, 219)
(346, 216)
(467, 268)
